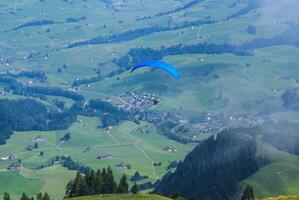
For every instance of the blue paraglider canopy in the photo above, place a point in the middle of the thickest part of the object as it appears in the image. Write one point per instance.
(159, 65)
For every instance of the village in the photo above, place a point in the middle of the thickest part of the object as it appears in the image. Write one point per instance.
(139, 101)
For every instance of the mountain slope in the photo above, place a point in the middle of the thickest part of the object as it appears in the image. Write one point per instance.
(214, 168)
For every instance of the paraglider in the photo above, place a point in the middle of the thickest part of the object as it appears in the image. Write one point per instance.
(159, 65)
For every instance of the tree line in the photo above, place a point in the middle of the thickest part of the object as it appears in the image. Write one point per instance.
(24, 196)
(98, 182)
(137, 55)
(19, 89)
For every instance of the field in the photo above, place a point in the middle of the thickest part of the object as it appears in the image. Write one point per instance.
(278, 178)
(223, 83)
(124, 143)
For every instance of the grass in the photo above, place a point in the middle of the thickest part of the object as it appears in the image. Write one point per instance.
(123, 197)
(294, 197)
(280, 177)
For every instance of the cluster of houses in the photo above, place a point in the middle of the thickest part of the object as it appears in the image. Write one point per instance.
(140, 100)
(13, 166)
(245, 121)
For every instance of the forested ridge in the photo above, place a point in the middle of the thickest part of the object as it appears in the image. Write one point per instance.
(28, 114)
(214, 168)
(37, 91)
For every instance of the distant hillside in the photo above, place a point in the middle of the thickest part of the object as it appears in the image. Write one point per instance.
(123, 197)
(265, 157)
(214, 168)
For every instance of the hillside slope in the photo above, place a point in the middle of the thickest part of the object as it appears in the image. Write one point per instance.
(205, 172)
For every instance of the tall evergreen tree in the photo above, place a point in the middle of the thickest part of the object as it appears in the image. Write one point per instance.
(248, 193)
(77, 187)
(135, 188)
(90, 182)
(39, 196)
(123, 186)
(6, 196)
(98, 186)
(24, 197)
(46, 196)
(105, 181)
(111, 184)
(69, 189)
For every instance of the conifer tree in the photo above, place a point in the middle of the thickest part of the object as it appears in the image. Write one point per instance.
(46, 196)
(98, 186)
(24, 197)
(248, 193)
(90, 182)
(105, 181)
(135, 188)
(77, 187)
(6, 196)
(70, 189)
(123, 186)
(39, 196)
(111, 184)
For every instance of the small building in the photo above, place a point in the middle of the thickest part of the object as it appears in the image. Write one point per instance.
(38, 139)
(3, 92)
(170, 149)
(104, 156)
(30, 147)
(15, 166)
(122, 165)
(109, 129)
(11, 156)
(4, 158)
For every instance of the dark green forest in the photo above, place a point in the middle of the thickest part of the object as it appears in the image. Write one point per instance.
(214, 168)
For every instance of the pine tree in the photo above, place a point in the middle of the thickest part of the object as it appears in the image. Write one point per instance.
(70, 189)
(77, 187)
(105, 181)
(90, 182)
(46, 197)
(248, 193)
(6, 196)
(135, 188)
(112, 185)
(24, 197)
(123, 186)
(31, 198)
(39, 196)
(98, 186)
